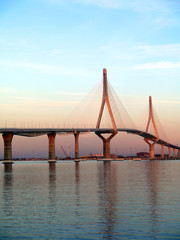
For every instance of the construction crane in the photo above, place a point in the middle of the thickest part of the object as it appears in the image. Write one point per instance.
(67, 155)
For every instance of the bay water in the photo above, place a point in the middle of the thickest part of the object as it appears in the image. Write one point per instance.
(90, 200)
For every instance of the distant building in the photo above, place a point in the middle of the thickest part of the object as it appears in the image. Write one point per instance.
(142, 154)
(158, 155)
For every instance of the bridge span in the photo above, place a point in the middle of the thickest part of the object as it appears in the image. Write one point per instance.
(35, 132)
(8, 134)
(151, 140)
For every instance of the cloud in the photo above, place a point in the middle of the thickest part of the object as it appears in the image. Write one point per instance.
(102, 3)
(168, 101)
(7, 90)
(138, 5)
(29, 102)
(159, 50)
(158, 65)
(71, 93)
(158, 12)
(139, 53)
(44, 68)
(4, 42)
(56, 51)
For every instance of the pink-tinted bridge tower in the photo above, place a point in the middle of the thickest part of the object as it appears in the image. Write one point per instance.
(105, 100)
(151, 141)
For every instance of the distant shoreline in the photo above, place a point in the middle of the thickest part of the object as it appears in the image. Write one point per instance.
(90, 159)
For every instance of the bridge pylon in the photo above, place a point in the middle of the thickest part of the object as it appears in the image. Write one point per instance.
(105, 100)
(151, 141)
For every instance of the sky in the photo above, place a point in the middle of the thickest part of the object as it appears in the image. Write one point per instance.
(52, 53)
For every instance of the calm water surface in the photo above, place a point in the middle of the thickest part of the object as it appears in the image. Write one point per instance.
(90, 200)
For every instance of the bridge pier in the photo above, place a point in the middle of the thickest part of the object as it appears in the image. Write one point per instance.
(151, 148)
(178, 153)
(51, 138)
(76, 136)
(162, 155)
(7, 137)
(174, 153)
(106, 144)
(106, 148)
(169, 149)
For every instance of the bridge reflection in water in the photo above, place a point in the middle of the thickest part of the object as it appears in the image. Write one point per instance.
(99, 200)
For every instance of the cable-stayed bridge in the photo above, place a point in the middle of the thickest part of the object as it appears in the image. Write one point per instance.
(107, 123)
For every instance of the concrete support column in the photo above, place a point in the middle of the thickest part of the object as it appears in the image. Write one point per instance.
(51, 138)
(179, 153)
(106, 144)
(169, 149)
(162, 155)
(76, 135)
(7, 137)
(174, 153)
(151, 148)
(106, 148)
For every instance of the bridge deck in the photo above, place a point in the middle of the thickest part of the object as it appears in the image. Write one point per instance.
(34, 132)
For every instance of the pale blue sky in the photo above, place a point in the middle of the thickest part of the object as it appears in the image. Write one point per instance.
(52, 52)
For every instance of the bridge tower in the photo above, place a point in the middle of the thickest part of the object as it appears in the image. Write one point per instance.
(113, 132)
(151, 141)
